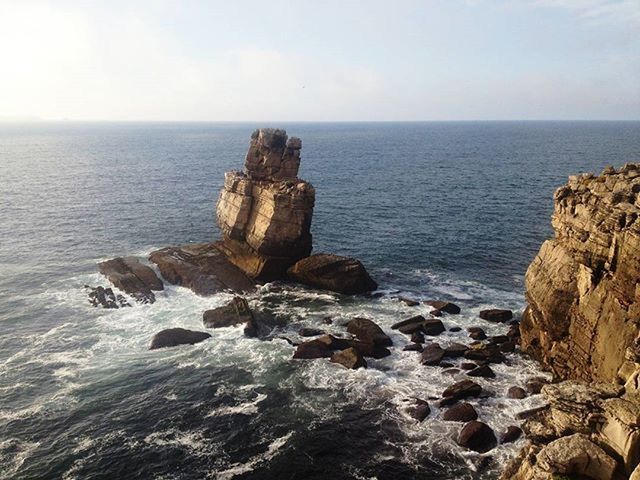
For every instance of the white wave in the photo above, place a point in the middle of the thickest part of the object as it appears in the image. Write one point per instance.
(246, 408)
(13, 453)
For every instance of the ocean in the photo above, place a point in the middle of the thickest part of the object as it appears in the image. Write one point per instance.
(452, 211)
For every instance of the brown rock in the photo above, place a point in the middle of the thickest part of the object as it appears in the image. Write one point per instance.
(350, 358)
(409, 302)
(461, 412)
(482, 371)
(310, 332)
(332, 272)
(511, 434)
(132, 277)
(173, 337)
(104, 297)
(433, 327)
(420, 410)
(477, 333)
(462, 389)
(432, 354)
(313, 349)
(410, 325)
(235, 312)
(496, 315)
(200, 267)
(412, 347)
(417, 337)
(443, 306)
(477, 436)
(455, 350)
(516, 392)
(369, 332)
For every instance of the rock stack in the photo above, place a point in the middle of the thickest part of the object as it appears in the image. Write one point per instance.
(265, 212)
(582, 323)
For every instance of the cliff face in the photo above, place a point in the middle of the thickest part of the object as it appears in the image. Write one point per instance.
(582, 288)
(265, 212)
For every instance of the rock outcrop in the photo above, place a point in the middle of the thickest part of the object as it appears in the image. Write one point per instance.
(582, 288)
(172, 337)
(332, 272)
(132, 277)
(265, 212)
(582, 323)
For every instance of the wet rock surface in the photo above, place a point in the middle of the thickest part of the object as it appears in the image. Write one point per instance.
(477, 436)
(132, 277)
(105, 298)
(172, 337)
(332, 272)
(235, 312)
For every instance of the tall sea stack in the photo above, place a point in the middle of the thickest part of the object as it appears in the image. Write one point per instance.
(265, 212)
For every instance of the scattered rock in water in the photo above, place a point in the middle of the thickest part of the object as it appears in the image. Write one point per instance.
(534, 384)
(517, 393)
(332, 272)
(511, 434)
(450, 371)
(455, 350)
(420, 410)
(496, 315)
(412, 347)
(514, 332)
(417, 337)
(508, 347)
(432, 354)
(446, 307)
(477, 333)
(468, 365)
(132, 277)
(350, 358)
(446, 365)
(461, 390)
(485, 353)
(461, 412)
(477, 436)
(433, 327)
(201, 267)
(233, 313)
(105, 298)
(313, 349)
(482, 371)
(455, 329)
(173, 337)
(409, 302)
(410, 325)
(368, 331)
(310, 332)
(325, 345)
(436, 313)
(498, 339)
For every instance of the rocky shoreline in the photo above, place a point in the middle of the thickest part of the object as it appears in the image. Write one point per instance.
(580, 323)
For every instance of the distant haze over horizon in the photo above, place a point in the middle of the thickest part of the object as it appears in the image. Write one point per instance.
(289, 61)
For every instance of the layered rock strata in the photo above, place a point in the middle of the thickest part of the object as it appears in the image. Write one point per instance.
(265, 212)
(132, 277)
(582, 288)
(582, 323)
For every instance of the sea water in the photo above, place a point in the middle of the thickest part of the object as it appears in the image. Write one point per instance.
(452, 211)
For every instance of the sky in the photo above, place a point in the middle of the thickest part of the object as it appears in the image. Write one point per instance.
(310, 60)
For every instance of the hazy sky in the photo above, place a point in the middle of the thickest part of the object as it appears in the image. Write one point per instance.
(320, 60)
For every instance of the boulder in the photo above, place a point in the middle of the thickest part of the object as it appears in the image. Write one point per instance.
(511, 434)
(482, 371)
(350, 358)
(432, 354)
(443, 306)
(461, 412)
(368, 331)
(412, 347)
(201, 267)
(235, 312)
(516, 392)
(496, 315)
(455, 329)
(468, 365)
(417, 337)
(477, 333)
(410, 325)
(420, 410)
(433, 327)
(132, 277)
(173, 337)
(409, 302)
(455, 350)
(534, 384)
(477, 436)
(310, 332)
(576, 455)
(105, 298)
(313, 349)
(484, 353)
(332, 272)
(461, 390)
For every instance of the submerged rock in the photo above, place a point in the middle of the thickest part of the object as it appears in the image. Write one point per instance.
(105, 298)
(132, 277)
(511, 434)
(350, 358)
(310, 332)
(201, 267)
(332, 272)
(420, 410)
(173, 337)
(477, 436)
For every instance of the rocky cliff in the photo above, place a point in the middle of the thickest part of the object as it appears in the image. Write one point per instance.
(582, 288)
(265, 212)
(582, 323)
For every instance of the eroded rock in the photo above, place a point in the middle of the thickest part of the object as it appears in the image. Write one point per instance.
(172, 337)
(477, 436)
(132, 277)
(332, 272)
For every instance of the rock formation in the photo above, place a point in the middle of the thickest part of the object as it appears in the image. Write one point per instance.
(582, 288)
(582, 323)
(332, 272)
(265, 212)
(132, 277)
(172, 337)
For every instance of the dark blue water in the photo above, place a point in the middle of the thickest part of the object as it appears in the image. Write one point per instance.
(453, 210)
